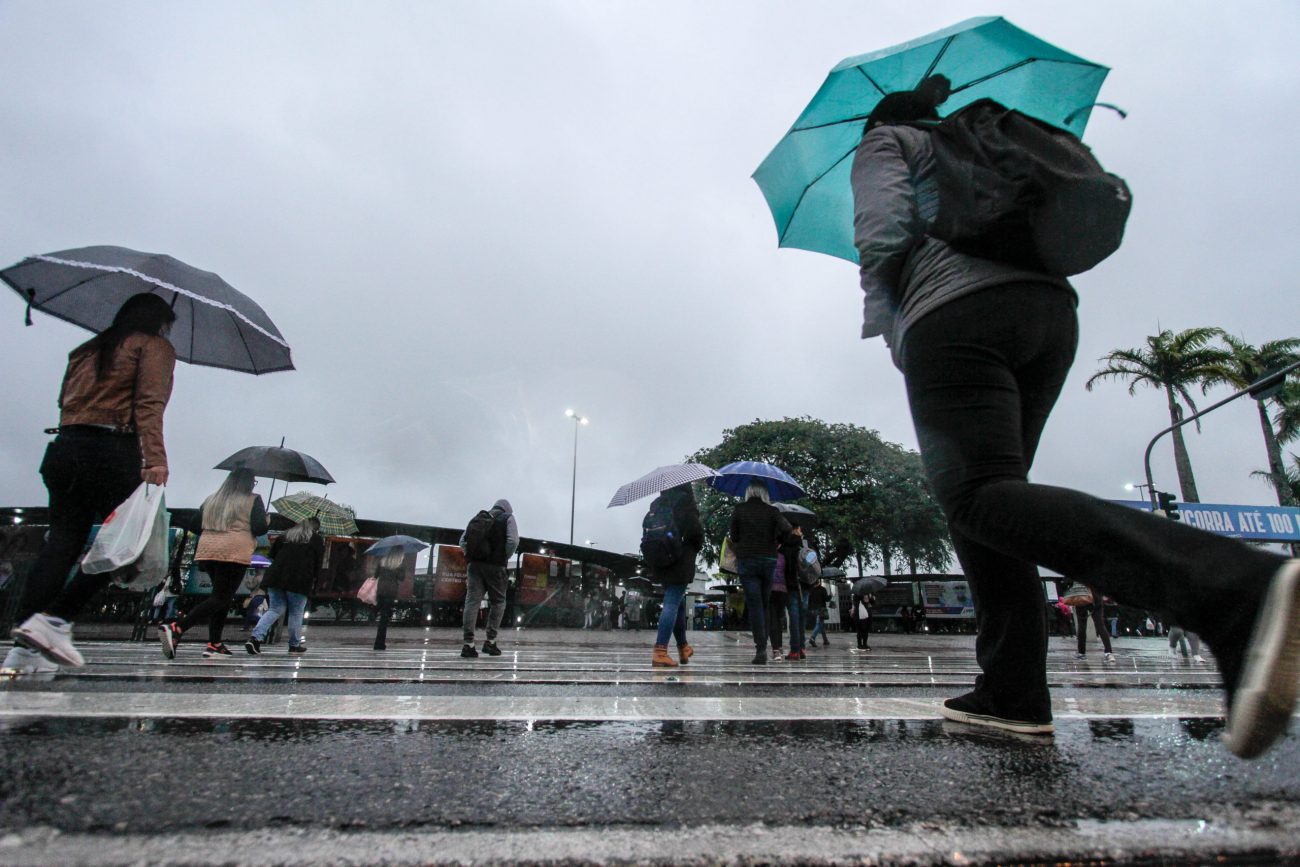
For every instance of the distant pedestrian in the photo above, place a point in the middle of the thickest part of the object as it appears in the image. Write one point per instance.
(295, 565)
(795, 592)
(818, 598)
(777, 602)
(679, 504)
(389, 571)
(489, 541)
(862, 619)
(1178, 640)
(228, 524)
(757, 528)
(985, 347)
(1082, 614)
(110, 438)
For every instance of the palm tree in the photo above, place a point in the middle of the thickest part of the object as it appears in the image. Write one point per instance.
(1174, 363)
(1248, 364)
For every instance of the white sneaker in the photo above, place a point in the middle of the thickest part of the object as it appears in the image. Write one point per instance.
(21, 662)
(1269, 683)
(1173, 652)
(1110, 657)
(1198, 658)
(51, 636)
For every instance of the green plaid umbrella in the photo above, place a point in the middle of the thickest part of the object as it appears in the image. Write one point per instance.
(336, 519)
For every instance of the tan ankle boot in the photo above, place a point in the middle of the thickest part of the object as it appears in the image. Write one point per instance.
(660, 657)
(685, 652)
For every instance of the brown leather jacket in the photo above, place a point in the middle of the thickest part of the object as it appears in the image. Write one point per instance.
(132, 395)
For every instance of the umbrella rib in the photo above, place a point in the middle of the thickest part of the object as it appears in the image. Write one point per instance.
(63, 291)
(870, 79)
(252, 363)
(937, 57)
(813, 183)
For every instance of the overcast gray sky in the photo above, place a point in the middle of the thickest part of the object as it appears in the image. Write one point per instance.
(467, 216)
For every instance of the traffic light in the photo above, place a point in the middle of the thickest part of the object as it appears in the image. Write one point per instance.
(1168, 505)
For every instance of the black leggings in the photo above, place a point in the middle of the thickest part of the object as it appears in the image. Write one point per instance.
(225, 581)
(776, 605)
(1081, 616)
(88, 473)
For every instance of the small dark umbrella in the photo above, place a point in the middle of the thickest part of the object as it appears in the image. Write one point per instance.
(216, 324)
(277, 462)
(797, 515)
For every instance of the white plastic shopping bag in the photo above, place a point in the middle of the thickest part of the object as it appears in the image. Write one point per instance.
(126, 532)
(155, 561)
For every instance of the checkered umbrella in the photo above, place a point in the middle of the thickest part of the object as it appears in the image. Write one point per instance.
(660, 479)
(335, 519)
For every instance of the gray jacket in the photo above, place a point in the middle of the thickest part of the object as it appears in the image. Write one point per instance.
(905, 272)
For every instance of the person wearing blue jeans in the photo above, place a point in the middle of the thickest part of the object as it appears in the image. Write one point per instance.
(675, 508)
(295, 565)
(757, 529)
(282, 601)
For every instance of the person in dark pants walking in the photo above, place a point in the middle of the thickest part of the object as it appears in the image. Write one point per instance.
(1084, 613)
(985, 348)
(489, 541)
(228, 523)
(388, 576)
(862, 619)
(818, 598)
(757, 528)
(110, 439)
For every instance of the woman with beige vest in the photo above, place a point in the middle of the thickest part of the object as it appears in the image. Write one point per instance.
(229, 523)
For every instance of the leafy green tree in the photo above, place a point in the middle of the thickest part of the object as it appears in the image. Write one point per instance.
(1248, 364)
(1173, 363)
(869, 495)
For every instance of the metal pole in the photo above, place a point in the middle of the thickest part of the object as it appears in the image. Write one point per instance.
(1146, 459)
(573, 493)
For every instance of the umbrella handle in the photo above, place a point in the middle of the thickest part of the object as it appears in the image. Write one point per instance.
(31, 298)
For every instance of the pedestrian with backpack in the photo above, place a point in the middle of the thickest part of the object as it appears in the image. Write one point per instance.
(672, 536)
(757, 529)
(985, 344)
(490, 540)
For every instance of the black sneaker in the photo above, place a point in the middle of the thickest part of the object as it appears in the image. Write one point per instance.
(218, 649)
(491, 649)
(253, 646)
(297, 648)
(760, 658)
(468, 652)
(969, 708)
(169, 635)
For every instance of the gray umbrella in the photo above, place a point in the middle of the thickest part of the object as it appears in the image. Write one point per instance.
(797, 515)
(216, 325)
(868, 585)
(277, 462)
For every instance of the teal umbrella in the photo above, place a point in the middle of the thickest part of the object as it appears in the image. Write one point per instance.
(805, 178)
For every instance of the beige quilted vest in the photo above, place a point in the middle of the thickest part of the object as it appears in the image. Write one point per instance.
(235, 545)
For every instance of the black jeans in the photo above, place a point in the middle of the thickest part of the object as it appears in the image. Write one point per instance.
(226, 578)
(88, 473)
(1082, 613)
(864, 633)
(983, 373)
(385, 606)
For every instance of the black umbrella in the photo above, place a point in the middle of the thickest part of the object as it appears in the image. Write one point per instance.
(277, 462)
(797, 515)
(216, 325)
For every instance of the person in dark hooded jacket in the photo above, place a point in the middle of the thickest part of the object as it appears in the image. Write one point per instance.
(295, 565)
(677, 576)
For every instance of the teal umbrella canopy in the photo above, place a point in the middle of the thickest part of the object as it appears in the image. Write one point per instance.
(805, 178)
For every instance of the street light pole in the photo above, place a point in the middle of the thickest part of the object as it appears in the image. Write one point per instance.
(573, 493)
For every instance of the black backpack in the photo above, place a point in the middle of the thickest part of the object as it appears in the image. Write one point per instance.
(661, 542)
(1017, 190)
(481, 544)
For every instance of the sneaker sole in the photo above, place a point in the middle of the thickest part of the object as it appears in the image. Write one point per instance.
(34, 642)
(168, 645)
(1266, 694)
(997, 722)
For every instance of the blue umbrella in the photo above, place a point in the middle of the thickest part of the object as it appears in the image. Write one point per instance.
(406, 544)
(806, 176)
(735, 478)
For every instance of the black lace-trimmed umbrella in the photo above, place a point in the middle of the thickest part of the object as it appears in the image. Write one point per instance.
(216, 325)
(277, 462)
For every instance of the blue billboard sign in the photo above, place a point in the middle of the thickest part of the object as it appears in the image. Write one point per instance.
(1260, 523)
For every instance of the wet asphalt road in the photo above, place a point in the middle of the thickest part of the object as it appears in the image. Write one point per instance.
(121, 776)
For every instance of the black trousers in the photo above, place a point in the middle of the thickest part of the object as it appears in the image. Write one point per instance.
(864, 632)
(88, 473)
(385, 606)
(1082, 613)
(983, 373)
(214, 610)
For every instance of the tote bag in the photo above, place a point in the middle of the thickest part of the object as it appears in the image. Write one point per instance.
(368, 592)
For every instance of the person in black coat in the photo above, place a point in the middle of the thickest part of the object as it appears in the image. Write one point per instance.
(389, 573)
(757, 529)
(677, 576)
(295, 565)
